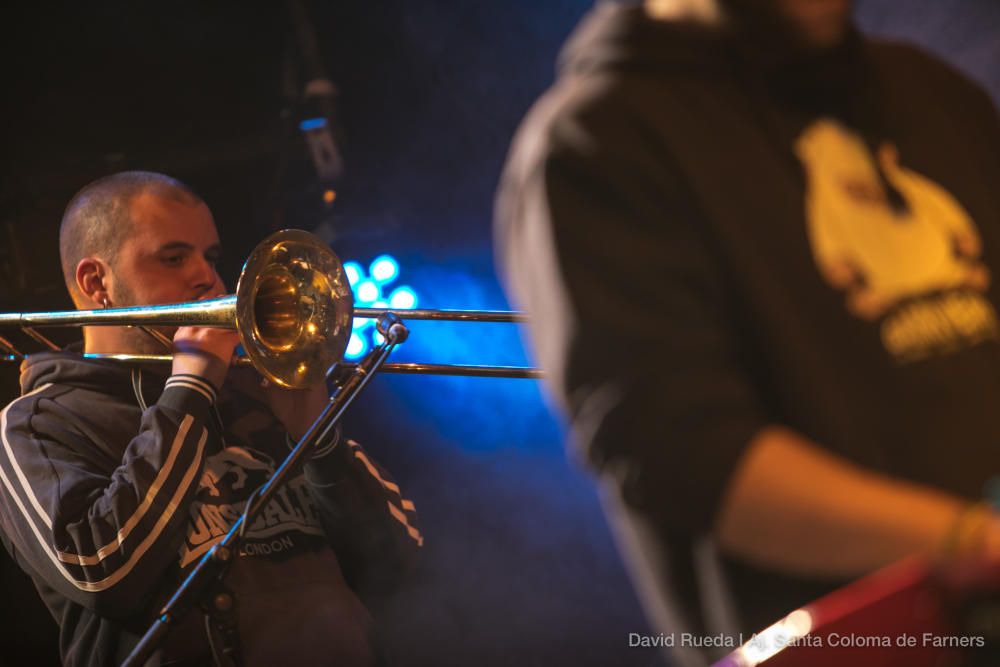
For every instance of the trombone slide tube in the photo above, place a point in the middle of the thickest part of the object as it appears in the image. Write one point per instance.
(445, 315)
(220, 313)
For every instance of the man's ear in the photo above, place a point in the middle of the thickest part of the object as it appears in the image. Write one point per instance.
(90, 280)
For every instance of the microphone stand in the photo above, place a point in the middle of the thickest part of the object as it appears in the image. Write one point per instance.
(213, 565)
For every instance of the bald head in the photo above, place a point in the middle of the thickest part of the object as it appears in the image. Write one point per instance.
(98, 219)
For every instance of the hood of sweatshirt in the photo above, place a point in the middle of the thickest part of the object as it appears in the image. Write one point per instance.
(624, 36)
(618, 36)
(786, 84)
(72, 369)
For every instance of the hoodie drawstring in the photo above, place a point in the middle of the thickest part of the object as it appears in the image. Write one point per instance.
(137, 388)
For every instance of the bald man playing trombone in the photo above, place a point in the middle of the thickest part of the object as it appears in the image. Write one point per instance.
(117, 479)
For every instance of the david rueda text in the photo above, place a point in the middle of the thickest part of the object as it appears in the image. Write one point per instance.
(684, 639)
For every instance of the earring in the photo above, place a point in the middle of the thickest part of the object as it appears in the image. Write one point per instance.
(105, 302)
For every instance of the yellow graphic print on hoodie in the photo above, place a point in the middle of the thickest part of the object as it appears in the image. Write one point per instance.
(917, 268)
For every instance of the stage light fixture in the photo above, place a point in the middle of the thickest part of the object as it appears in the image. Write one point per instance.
(368, 294)
(356, 346)
(354, 272)
(384, 268)
(403, 298)
(367, 291)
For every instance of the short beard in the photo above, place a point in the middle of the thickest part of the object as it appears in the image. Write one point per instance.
(136, 340)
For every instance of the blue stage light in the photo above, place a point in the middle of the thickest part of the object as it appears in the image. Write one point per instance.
(367, 291)
(353, 271)
(464, 284)
(403, 298)
(384, 268)
(310, 124)
(356, 346)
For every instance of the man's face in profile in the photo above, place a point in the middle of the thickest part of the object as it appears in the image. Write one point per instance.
(169, 255)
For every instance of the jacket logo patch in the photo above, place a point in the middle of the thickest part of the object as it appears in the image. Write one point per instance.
(234, 461)
(919, 271)
(229, 477)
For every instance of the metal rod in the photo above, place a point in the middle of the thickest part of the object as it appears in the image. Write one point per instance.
(165, 342)
(447, 315)
(513, 372)
(150, 358)
(12, 352)
(219, 312)
(39, 338)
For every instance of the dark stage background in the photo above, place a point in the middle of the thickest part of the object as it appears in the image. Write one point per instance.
(519, 567)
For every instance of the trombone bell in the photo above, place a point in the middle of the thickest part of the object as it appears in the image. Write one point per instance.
(294, 308)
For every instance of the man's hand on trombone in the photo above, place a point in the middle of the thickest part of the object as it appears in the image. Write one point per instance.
(204, 351)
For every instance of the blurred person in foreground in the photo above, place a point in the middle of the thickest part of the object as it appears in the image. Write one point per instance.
(759, 251)
(118, 478)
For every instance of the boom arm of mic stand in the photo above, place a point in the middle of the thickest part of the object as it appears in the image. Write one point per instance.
(213, 564)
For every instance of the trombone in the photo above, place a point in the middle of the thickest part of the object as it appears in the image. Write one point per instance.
(293, 310)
